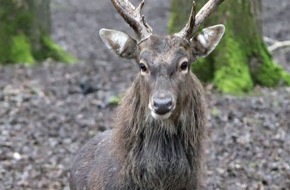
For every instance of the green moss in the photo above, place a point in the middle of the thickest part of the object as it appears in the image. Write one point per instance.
(114, 100)
(269, 73)
(16, 18)
(272, 75)
(14, 48)
(15, 23)
(21, 50)
(285, 77)
(54, 51)
(23, 36)
(232, 72)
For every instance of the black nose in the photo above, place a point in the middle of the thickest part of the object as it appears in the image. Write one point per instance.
(162, 106)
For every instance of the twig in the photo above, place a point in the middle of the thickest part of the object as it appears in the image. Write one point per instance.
(276, 44)
(279, 45)
(269, 40)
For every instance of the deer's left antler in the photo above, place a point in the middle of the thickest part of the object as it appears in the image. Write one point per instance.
(133, 17)
(195, 21)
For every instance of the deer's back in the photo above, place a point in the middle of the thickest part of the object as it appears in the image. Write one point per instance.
(94, 167)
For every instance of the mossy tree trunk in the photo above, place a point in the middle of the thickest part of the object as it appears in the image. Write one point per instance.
(24, 32)
(241, 60)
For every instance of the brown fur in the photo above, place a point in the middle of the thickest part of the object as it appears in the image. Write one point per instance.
(161, 154)
(159, 132)
(143, 153)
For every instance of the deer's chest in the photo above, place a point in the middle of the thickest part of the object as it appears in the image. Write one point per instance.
(159, 162)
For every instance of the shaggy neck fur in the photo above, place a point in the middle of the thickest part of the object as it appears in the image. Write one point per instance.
(160, 154)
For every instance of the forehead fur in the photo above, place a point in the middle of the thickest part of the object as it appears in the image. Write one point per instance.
(165, 47)
(162, 44)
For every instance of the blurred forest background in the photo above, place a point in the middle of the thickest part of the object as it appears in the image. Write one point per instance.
(48, 109)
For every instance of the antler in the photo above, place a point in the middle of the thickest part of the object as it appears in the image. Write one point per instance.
(133, 17)
(187, 31)
(194, 22)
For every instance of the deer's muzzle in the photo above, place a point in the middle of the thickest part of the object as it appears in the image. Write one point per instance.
(161, 107)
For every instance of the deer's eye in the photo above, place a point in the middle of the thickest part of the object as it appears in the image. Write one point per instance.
(183, 66)
(143, 67)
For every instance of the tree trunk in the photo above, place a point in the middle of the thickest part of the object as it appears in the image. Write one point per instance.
(241, 60)
(24, 32)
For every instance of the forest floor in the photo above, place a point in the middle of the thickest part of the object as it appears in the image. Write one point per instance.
(49, 111)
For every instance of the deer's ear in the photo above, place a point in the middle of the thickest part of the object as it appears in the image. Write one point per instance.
(120, 43)
(206, 41)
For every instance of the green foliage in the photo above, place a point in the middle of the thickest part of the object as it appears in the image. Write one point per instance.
(178, 16)
(4, 43)
(171, 22)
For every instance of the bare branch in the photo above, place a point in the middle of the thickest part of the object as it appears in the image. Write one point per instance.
(275, 44)
(279, 45)
(269, 40)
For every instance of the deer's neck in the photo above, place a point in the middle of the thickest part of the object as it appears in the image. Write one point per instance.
(151, 148)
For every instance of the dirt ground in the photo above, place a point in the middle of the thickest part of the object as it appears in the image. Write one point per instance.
(49, 111)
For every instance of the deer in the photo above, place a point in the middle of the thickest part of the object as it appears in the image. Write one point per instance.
(159, 133)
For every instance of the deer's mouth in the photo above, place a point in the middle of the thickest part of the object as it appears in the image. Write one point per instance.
(160, 117)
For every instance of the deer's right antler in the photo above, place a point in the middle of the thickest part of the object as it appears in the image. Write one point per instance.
(133, 17)
(194, 22)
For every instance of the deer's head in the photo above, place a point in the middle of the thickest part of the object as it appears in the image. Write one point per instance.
(164, 61)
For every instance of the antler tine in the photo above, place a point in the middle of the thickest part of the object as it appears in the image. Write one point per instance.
(133, 17)
(187, 31)
(205, 11)
(194, 22)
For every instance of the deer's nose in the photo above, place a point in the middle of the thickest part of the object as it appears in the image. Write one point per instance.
(162, 106)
